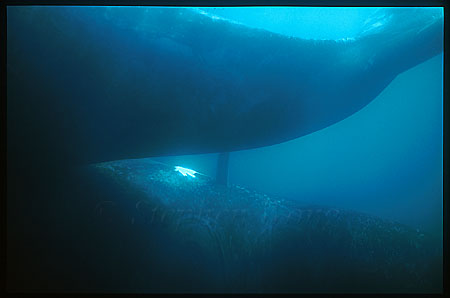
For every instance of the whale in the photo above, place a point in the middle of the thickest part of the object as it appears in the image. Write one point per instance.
(94, 84)
(242, 240)
(103, 85)
(147, 227)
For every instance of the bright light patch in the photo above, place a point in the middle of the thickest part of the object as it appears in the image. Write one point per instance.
(185, 171)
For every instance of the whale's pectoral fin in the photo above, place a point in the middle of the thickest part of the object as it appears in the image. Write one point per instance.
(222, 168)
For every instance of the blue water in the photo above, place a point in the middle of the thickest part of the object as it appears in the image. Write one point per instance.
(304, 22)
(80, 81)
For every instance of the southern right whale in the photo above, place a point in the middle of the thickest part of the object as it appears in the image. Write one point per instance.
(92, 84)
(187, 233)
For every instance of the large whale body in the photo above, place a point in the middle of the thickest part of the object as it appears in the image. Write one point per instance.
(92, 84)
(100, 84)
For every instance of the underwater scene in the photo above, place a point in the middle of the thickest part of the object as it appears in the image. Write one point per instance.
(224, 149)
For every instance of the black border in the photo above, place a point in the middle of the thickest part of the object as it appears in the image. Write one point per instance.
(319, 3)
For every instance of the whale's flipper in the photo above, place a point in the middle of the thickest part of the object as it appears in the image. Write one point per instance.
(222, 168)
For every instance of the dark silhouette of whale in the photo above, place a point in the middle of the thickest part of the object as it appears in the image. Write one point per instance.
(99, 84)
(148, 216)
(92, 84)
